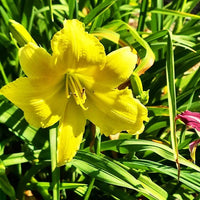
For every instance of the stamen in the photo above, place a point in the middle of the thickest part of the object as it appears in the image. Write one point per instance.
(81, 89)
(83, 93)
(77, 90)
(67, 86)
(72, 86)
(83, 107)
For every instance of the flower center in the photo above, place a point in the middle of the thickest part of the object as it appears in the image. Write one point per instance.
(74, 87)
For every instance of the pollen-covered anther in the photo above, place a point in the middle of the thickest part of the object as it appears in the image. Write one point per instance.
(83, 92)
(74, 87)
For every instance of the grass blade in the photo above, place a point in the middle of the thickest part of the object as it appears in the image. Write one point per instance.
(54, 169)
(3, 74)
(51, 10)
(189, 178)
(157, 21)
(5, 186)
(115, 173)
(175, 13)
(127, 146)
(143, 12)
(172, 97)
(101, 8)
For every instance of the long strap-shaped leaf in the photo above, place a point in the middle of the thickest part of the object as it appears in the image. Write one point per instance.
(174, 13)
(5, 185)
(98, 10)
(188, 177)
(116, 173)
(54, 169)
(126, 146)
(172, 97)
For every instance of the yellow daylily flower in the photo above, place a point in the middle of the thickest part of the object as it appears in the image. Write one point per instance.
(77, 82)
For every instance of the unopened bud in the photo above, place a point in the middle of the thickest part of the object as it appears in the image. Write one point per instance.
(20, 34)
(137, 88)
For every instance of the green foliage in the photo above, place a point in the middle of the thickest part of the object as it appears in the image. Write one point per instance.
(128, 167)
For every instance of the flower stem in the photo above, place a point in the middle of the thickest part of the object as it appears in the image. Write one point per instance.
(54, 169)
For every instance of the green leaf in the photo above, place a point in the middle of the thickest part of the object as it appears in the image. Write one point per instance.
(192, 86)
(17, 158)
(55, 171)
(107, 34)
(172, 97)
(73, 9)
(13, 118)
(117, 192)
(27, 14)
(3, 74)
(112, 172)
(98, 10)
(143, 13)
(126, 146)
(48, 186)
(5, 186)
(157, 19)
(174, 13)
(103, 169)
(11, 8)
(188, 177)
(27, 177)
(51, 10)
(158, 110)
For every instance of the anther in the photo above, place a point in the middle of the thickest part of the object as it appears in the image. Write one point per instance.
(73, 84)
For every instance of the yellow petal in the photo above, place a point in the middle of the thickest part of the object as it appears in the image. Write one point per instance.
(70, 133)
(116, 111)
(35, 61)
(76, 50)
(118, 68)
(42, 100)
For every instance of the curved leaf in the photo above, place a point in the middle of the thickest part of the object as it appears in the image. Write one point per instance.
(126, 146)
(115, 173)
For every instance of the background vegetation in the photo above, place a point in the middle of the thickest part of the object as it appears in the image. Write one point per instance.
(128, 167)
